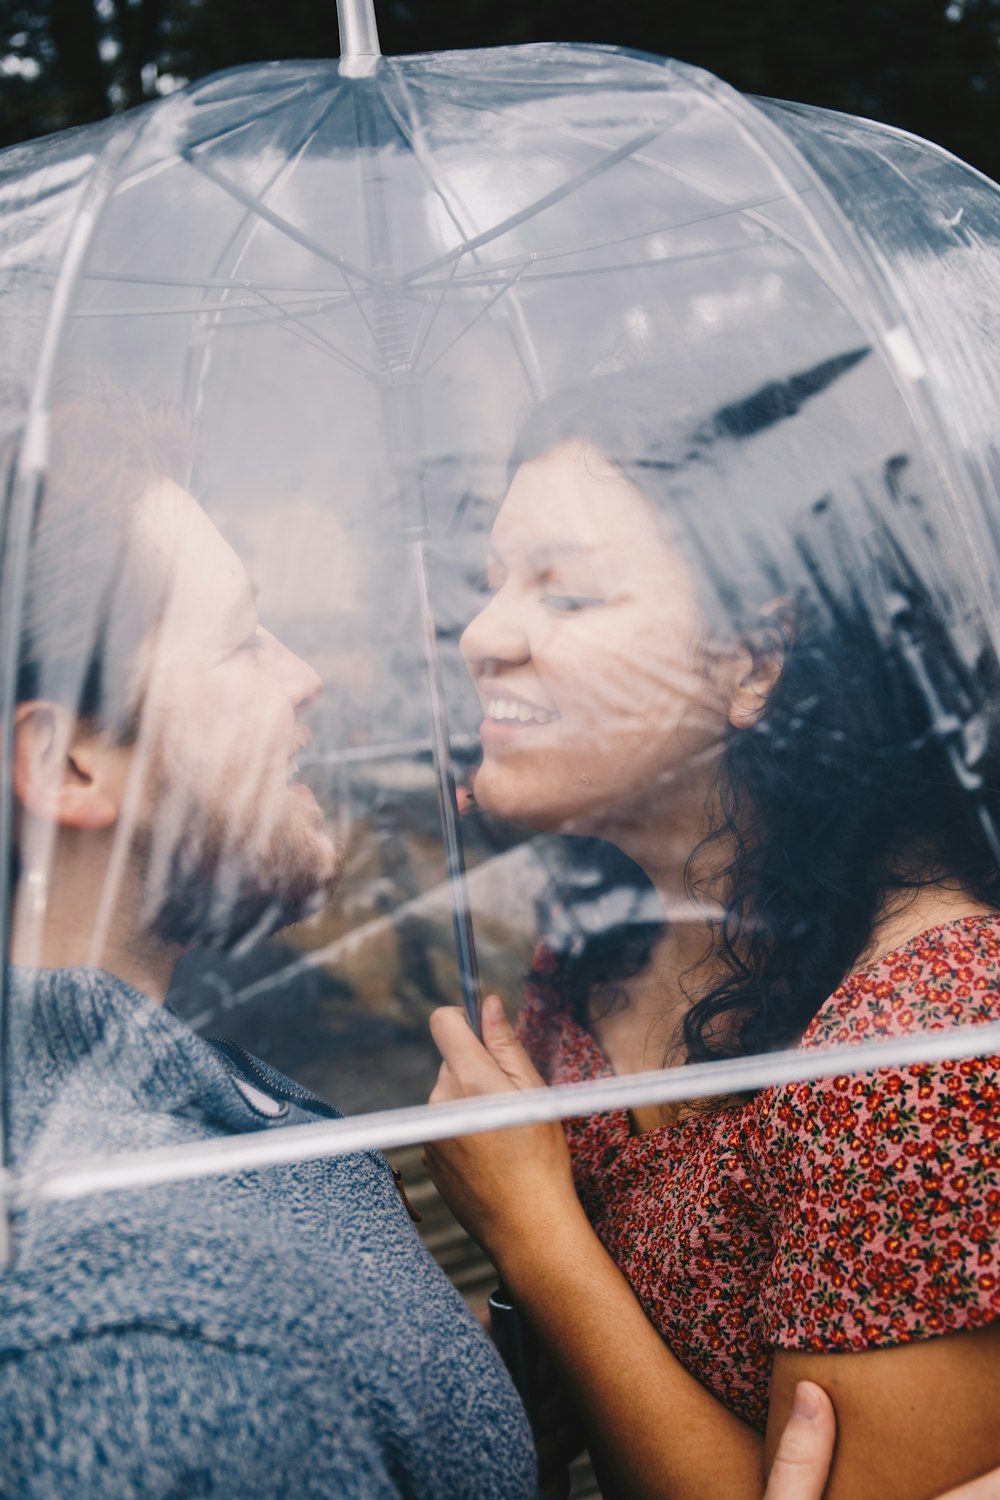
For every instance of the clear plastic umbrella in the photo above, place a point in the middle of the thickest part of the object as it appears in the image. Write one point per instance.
(366, 284)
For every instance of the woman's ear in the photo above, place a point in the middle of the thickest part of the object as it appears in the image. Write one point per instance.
(748, 698)
(62, 772)
(759, 665)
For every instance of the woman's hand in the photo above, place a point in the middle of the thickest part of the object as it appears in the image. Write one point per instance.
(802, 1461)
(504, 1186)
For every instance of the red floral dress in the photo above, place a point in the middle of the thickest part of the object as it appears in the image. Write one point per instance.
(849, 1213)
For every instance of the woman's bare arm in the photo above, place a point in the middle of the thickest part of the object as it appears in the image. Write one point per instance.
(804, 1454)
(656, 1432)
(913, 1420)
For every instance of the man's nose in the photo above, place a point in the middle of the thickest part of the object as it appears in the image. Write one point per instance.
(496, 634)
(302, 682)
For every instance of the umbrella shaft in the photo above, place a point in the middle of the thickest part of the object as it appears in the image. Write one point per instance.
(468, 967)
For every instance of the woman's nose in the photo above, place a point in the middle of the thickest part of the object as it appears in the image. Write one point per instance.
(497, 633)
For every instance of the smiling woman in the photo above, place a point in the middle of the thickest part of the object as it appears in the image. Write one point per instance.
(588, 656)
(757, 688)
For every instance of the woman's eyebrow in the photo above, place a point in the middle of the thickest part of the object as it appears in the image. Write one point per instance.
(537, 559)
(551, 552)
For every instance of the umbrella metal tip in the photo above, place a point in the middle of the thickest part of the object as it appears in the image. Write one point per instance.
(359, 45)
(359, 67)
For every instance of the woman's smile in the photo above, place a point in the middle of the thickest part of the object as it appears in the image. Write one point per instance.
(508, 714)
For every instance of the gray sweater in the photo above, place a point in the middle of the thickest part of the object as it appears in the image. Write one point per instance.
(280, 1332)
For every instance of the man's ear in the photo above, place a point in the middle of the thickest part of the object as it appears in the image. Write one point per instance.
(61, 770)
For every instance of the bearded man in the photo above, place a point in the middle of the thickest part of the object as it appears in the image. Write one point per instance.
(270, 1333)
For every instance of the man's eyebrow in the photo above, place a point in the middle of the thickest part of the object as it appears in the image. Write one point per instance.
(242, 603)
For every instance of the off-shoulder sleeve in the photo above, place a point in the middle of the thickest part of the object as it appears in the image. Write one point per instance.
(884, 1195)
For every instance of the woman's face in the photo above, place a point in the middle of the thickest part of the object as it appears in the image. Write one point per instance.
(590, 659)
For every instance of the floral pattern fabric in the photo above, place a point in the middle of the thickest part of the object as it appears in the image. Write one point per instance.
(849, 1213)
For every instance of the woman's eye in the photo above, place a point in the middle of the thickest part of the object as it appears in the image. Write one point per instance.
(253, 643)
(568, 604)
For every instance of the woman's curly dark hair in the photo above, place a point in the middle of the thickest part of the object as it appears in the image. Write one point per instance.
(873, 767)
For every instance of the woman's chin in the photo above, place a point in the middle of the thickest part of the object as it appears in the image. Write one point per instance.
(500, 796)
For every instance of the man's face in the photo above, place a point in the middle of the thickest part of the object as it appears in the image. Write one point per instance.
(226, 843)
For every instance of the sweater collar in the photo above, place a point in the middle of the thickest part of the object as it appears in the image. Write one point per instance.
(83, 1036)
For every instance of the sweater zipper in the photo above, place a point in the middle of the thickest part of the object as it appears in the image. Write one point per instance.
(226, 1046)
(301, 1097)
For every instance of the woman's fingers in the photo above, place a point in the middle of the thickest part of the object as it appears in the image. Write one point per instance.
(445, 1089)
(497, 1063)
(500, 1040)
(802, 1462)
(467, 1067)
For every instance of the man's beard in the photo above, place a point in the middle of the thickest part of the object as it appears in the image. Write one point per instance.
(209, 884)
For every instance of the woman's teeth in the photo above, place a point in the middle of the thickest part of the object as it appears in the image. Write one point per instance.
(507, 708)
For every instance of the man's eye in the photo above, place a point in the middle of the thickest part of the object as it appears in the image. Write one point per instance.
(568, 604)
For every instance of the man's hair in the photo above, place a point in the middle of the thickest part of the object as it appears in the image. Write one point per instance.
(88, 603)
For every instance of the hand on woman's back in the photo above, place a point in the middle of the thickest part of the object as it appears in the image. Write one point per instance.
(802, 1462)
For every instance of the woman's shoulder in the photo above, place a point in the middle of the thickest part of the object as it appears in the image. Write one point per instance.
(561, 1049)
(877, 1124)
(947, 975)
(883, 1188)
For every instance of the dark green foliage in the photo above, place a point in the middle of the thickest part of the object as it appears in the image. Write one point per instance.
(931, 66)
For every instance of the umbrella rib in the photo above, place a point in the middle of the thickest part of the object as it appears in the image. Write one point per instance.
(748, 206)
(224, 283)
(230, 131)
(421, 155)
(251, 201)
(511, 280)
(438, 304)
(280, 172)
(311, 334)
(362, 312)
(155, 309)
(556, 252)
(316, 340)
(426, 164)
(565, 190)
(755, 211)
(666, 264)
(455, 209)
(139, 174)
(239, 239)
(205, 283)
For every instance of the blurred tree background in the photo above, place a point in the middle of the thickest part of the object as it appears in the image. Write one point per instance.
(931, 66)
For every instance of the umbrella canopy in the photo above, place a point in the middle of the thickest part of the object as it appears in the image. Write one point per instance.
(306, 312)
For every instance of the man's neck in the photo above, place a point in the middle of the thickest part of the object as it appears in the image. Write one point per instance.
(70, 922)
